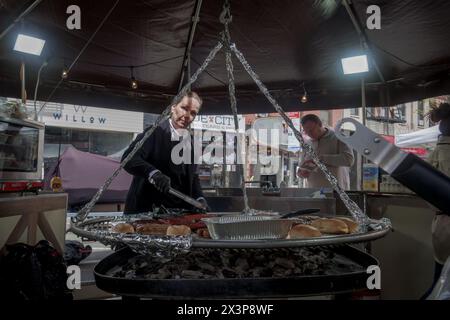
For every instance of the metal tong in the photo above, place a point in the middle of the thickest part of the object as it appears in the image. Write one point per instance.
(184, 197)
(299, 212)
(187, 199)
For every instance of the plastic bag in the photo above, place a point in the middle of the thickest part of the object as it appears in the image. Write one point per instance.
(75, 252)
(33, 273)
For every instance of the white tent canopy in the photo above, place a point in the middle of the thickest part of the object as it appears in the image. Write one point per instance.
(428, 135)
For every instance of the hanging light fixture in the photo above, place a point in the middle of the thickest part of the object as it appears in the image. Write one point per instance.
(355, 64)
(305, 95)
(134, 83)
(64, 74)
(29, 44)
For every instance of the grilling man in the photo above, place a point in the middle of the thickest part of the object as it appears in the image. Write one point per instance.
(154, 162)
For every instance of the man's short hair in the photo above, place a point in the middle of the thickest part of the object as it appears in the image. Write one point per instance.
(312, 118)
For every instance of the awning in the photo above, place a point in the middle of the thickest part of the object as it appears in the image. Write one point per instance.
(418, 151)
(287, 42)
(81, 181)
(417, 138)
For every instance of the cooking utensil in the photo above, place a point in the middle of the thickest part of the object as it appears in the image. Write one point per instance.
(299, 212)
(185, 198)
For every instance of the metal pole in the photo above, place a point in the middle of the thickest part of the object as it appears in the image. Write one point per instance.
(362, 36)
(363, 110)
(187, 53)
(20, 17)
(22, 77)
(363, 101)
(365, 46)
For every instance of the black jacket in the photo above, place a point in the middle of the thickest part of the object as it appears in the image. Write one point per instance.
(156, 154)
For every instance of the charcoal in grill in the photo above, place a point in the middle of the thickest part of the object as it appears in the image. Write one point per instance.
(324, 271)
(207, 263)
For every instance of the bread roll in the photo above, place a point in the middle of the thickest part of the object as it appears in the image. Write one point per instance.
(123, 228)
(351, 224)
(300, 231)
(180, 230)
(331, 226)
(152, 228)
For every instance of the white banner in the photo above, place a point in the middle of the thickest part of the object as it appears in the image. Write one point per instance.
(218, 123)
(83, 117)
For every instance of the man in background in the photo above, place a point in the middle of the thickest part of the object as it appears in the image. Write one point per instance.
(335, 154)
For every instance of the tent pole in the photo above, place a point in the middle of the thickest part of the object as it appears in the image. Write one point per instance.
(365, 46)
(363, 116)
(363, 101)
(23, 92)
(187, 53)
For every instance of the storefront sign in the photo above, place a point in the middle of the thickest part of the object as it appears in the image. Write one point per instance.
(218, 123)
(83, 117)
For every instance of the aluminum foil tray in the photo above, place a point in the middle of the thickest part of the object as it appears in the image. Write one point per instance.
(245, 227)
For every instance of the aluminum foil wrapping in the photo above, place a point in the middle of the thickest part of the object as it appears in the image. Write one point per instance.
(232, 93)
(354, 210)
(383, 223)
(82, 214)
(158, 246)
(99, 229)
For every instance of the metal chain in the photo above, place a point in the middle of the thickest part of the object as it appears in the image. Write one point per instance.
(355, 211)
(232, 93)
(82, 214)
(225, 18)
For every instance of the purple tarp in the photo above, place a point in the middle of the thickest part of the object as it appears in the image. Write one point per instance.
(82, 174)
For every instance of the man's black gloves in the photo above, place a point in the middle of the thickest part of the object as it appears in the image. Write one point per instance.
(161, 182)
(204, 203)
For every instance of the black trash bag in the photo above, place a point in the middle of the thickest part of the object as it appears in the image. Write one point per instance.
(33, 273)
(75, 252)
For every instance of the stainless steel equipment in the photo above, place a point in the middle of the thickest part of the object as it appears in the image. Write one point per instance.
(21, 154)
(419, 176)
(186, 198)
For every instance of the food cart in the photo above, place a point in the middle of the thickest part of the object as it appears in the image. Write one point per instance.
(284, 50)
